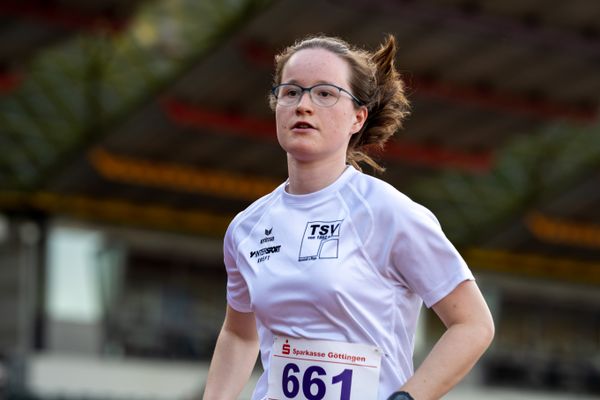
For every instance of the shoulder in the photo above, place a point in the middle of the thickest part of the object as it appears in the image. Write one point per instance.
(388, 203)
(381, 195)
(245, 220)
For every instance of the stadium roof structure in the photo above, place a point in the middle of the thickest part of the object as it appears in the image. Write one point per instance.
(155, 115)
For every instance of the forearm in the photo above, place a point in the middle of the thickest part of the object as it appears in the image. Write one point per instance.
(449, 361)
(231, 365)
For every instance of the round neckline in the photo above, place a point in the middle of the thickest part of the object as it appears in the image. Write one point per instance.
(310, 198)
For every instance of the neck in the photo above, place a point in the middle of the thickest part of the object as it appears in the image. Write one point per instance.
(310, 177)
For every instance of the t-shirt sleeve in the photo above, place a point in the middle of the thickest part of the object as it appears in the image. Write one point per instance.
(423, 258)
(238, 295)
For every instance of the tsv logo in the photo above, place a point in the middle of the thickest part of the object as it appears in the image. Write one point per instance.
(321, 240)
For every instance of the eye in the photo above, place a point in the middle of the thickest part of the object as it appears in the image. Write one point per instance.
(325, 92)
(289, 92)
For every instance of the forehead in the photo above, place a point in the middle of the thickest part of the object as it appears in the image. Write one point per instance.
(309, 66)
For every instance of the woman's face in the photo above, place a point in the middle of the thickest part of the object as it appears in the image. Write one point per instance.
(306, 131)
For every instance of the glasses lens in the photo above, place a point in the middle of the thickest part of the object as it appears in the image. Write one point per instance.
(288, 94)
(325, 95)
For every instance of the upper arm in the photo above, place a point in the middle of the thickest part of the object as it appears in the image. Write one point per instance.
(464, 305)
(241, 324)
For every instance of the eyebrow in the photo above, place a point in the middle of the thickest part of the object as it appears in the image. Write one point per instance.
(295, 82)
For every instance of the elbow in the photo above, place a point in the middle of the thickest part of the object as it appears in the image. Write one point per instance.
(491, 333)
(486, 331)
(480, 334)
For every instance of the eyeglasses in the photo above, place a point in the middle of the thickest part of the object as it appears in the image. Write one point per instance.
(323, 94)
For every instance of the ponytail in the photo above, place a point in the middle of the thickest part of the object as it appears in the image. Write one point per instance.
(387, 107)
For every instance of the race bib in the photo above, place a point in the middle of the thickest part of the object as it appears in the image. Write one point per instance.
(323, 370)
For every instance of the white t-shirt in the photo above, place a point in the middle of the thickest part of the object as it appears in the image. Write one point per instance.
(352, 262)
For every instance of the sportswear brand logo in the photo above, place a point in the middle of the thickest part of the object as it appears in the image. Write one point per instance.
(267, 238)
(321, 240)
(264, 251)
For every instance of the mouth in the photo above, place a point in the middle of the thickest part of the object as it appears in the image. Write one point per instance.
(302, 125)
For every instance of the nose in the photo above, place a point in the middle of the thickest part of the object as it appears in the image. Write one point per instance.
(305, 103)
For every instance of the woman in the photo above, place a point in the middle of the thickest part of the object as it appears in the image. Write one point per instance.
(327, 274)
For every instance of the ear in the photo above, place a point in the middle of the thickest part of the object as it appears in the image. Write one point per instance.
(360, 116)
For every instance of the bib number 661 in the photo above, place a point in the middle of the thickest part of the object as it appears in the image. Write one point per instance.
(314, 378)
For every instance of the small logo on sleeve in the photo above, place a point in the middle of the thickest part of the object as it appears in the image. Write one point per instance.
(321, 240)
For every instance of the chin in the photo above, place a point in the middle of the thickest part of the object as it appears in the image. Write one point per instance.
(299, 149)
(302, 156)
(302, 153)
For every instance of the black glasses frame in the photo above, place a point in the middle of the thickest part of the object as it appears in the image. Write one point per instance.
(308, 89)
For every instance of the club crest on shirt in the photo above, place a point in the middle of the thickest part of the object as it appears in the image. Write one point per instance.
(321, 240)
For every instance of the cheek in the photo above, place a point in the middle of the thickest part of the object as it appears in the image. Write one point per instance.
(279, 118)
(283, 113)
(343, 123)
(280, 123)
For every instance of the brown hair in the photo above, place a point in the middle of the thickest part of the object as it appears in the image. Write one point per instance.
(373, 80)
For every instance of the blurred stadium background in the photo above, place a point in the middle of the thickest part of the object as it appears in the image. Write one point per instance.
(131, 132)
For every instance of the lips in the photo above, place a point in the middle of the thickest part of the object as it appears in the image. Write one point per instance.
(302, 125)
